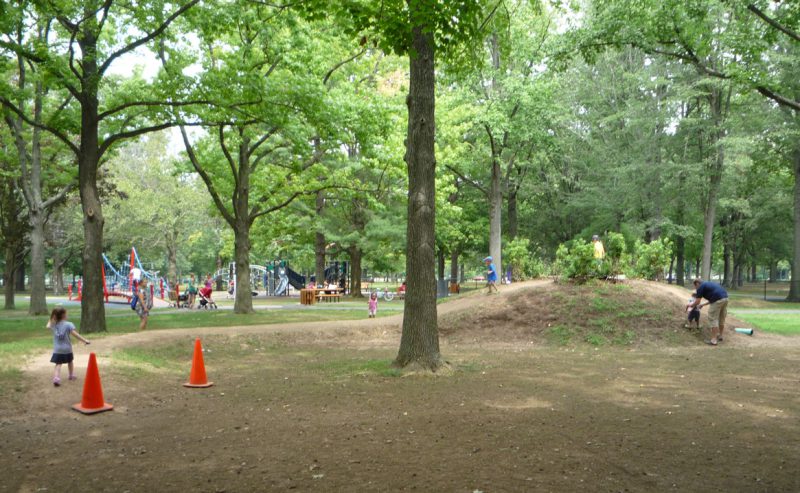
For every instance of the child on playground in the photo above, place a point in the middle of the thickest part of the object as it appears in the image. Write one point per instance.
(491, 275)
(693, 313)
(144, 304)
(62, 346)
(373, 305)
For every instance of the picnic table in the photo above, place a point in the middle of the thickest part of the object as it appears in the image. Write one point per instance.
(478, 279)
(329, 294)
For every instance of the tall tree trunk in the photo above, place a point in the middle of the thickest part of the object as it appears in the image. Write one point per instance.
(495, 215)
(419, 343)
(671, 266)
(38, 304)
(19, 277)
(680, 274)
(513, 219)
(172, 258)
(8, 278)
(58, 273)
(794, 285)
(355, 271)
(243, 303)
(319, 243)
(726, 265)
(93, 314)
(719, 103)
(440, 263)
(454, 265)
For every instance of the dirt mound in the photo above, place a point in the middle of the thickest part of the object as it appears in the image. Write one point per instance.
(598, 313)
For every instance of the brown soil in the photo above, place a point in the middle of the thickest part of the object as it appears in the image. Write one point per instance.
(313, 407)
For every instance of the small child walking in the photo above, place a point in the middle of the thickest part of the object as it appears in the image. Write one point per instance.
(62, 346)
(491, 275)
(693, 313)
(373, 305)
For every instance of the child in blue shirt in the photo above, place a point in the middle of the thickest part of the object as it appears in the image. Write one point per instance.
(491, 275)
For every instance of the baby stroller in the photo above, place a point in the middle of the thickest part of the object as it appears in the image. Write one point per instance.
(205, 299)
(178, 300)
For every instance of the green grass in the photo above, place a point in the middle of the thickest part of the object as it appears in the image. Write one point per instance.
(778, 323)
(21, 336)
(595, 339)
(560, 335)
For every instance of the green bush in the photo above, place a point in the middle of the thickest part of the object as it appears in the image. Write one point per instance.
(575, 260)
(616, 252)
(652, 259)
(524, 264)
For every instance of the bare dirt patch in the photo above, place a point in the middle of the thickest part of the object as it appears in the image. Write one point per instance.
(303, 409)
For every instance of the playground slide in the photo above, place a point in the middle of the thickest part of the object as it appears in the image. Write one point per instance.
(282, 286)
(296, 280)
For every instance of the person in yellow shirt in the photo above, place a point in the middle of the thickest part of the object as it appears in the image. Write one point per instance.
(599, 251)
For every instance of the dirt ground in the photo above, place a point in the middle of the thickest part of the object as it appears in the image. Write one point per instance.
(315, 407)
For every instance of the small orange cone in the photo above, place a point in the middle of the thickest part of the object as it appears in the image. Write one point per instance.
(198, 376)
(92, 401)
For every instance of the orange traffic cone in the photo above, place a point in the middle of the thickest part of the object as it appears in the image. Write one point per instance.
(92, 401)
(198, 376)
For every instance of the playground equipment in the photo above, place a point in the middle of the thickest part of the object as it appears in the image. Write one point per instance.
(274, 278)
(118, 282)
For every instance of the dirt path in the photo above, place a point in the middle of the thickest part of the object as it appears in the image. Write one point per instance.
(305, 407)
(39, 365)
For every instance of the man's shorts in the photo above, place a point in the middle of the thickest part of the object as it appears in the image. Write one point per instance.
(717, 312)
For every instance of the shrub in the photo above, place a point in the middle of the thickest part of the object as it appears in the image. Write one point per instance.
(523, 263)
(616, 252)
(652, 259)
(575, 260)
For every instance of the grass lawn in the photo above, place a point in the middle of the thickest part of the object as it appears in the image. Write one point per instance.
(21, 335)
(779, 323)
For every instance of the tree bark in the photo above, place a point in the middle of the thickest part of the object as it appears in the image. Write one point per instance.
(440, 263)
(319, 243)
(172, 258)
(680, 269)
(671, 266)
(58, 273)
(513, 218)
(19, 278)
(794, 284)
(93, 314)
(419, 343)
(726, 265)
(38, 304)
(355, 271)
(718, 110)
(454, 265)
(243, 303)
(495, 216)
(8, 278)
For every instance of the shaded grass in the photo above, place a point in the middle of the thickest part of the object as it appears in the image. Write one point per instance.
(19, 337)
(778, 323)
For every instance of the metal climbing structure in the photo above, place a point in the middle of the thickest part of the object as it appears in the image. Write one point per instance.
(118, 281)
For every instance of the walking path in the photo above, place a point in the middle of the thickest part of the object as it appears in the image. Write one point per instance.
(40, 365)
